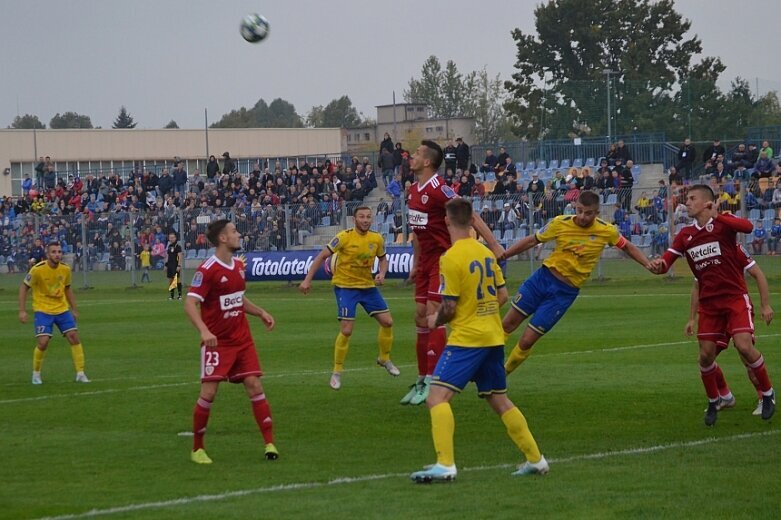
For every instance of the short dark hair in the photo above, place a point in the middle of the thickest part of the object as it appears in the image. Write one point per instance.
(359, 208)
(705, 189)
(459, 211)
(588, 198)
(434, 153)
(214, 229)
(53, 243)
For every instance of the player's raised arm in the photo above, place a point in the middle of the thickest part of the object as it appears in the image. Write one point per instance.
(316, 263)
(485, 232)
(737, 224)
(519, 247)
(634, 253)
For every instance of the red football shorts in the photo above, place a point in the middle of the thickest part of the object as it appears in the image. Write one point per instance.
(427, 281)
(229, 363)
(721, 319)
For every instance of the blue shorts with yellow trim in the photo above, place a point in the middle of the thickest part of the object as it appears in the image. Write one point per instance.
(457, 366)
(347, 301)
(44, 323)
(546, 297)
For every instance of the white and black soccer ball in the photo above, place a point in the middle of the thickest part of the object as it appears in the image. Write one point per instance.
(254, 28)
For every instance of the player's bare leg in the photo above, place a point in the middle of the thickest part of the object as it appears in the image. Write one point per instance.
(744, 342)
(262, 413)
(385, 342)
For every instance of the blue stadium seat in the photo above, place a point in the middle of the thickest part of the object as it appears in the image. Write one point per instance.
(541, 165)
(499, 203)
(564, 164)
(612, 198)
(191, 254)
(590, 162)
(530, 165)
(637, 240)
(326, 221)
(389, 218)
(520, 233)
(518, 166)
(2, 260)
(104, 258)
(577, 163)
(211, 251)
(490, 176)
(754, 215)
(385, 229)
(554, 163)
(201, 254)
(498, 234)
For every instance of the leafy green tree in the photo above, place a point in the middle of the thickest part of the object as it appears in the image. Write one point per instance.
(278, 114)
(443, 91)
(27, 121)
(124, 119)
(339, 113)
(172, 124)
(559, 87)
(70, 120)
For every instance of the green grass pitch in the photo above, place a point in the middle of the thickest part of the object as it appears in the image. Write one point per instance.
(612, 395)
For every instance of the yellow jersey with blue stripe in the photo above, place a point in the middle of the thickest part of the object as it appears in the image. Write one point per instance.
(48, 286)
(354, 254)
(577, 248)
(469, 272)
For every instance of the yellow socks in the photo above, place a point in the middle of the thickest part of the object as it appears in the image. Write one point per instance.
(77, 353)
(385, 340)
(341, 346)
(516, 357)
(519, 432)
(443, 426)
(38, 359)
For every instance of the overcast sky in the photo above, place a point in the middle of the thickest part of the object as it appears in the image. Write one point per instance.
(170, 59)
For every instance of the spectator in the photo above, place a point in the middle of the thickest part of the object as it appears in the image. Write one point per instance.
(40, 169)
(759, 236)
(588, 182)
(27, 184)
(462, 155)
(753, 155)
(478, 190)
(212, 169)
(776, 201)
(643, 206)
(660, 242)
(502, 157)
(179, 178)
(397, 158)
(398, 225)
(767, 149)
(383, 210)
(713, 151)
(623, 152)
(228, 165)
(686, 156)
(775, 236)
(626, 182)
(674, 177)
(165, 184)
(508, 220)
(612, 154)
(451, 162)
(386, 144)
(489, 162)
(540, 185)
(764, 167)
(387, 165)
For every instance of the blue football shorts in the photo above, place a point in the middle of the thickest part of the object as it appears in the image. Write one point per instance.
(44, 323)
(545, 298)
(457, 366)
(347, 301)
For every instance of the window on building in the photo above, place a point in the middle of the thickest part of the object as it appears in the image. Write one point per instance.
(349, 138)
(410, 109)
(367, 136)
(440, 129)
(421, 109)
(429, 129)
(357, 137)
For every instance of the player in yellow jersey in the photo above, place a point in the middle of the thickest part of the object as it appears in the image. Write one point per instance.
(550, 290)
(473, 290)
(53, 304)
(355, 251)
(146, 263)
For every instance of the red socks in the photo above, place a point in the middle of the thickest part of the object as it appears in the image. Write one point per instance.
(262, 414)
(200, 418)
(763, 379)
(710, 380)
(421, 348)
(437, 339)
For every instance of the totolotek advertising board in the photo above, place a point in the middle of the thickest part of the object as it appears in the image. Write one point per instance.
(293, 265)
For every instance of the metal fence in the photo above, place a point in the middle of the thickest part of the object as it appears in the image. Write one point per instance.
(113, 241)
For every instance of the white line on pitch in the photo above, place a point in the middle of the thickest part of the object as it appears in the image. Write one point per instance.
(367, 478)
(326, 372)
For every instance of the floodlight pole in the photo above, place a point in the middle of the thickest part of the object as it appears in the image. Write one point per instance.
(607, 73)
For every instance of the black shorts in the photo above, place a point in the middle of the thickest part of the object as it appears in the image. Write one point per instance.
(170, 273)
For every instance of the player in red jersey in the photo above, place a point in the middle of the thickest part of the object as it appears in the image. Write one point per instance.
(430, 238)
(710, 247)
(227, 350)
(726, 399)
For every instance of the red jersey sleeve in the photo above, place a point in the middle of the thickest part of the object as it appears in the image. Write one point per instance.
(199, 286)
(674, 252)
(737, 224)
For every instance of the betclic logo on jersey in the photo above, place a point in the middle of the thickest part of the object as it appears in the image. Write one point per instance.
(417, 218)
(232, 301)
(704, 251)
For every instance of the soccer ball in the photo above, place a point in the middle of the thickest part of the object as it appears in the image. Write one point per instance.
(254, 28)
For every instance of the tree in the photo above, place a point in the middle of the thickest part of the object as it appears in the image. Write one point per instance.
(171, 124)
(70, 120)
(279, 114)
(124, 119)
(484, 99)
(443, 91)
(339, 113)
(560, 80)
(27, 121)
